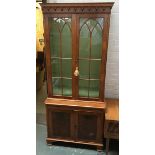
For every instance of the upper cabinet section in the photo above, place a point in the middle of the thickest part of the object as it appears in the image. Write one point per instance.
(76, 42)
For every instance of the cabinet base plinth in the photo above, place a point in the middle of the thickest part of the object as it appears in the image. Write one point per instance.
(98, 146)
(49, 142)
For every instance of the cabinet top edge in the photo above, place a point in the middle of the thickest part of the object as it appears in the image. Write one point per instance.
(75, 103)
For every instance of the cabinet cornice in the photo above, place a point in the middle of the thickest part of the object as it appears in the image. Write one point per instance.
(77, 8)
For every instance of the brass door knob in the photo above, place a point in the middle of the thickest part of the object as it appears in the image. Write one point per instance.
(76, 72)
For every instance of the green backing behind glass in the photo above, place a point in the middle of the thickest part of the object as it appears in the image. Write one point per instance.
(67, 87)
(94, 89)
(89, 88)
(54, 40)
(96, 48)
(84, 69)
(66, 42)
(56, 83)
(55, 67)
(95, 69)
(66, 68)
(83, 88)
(84, 47)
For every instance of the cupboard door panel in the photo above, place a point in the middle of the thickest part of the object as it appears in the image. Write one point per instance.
(88, 124)
(87, 127)
(60, 123)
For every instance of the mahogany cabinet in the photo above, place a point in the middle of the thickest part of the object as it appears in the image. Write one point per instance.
(76, 42)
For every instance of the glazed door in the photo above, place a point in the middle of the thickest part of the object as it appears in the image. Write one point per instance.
(90, 56)
(60, 39)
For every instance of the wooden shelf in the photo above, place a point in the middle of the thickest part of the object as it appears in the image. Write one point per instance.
(75, 103)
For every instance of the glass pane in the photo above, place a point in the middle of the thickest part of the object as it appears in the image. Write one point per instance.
(84, 46)
(84, 68)
(82, 21)
(96, 49)
(91, 24)
(95, 69)
(57, 89)
(54, 39)
(67, 87)
(83, 88)
(55, 67)
(60, 37)
(94, 89)
(100, 22)
(66, 42)
(91, 37)
(66, 68)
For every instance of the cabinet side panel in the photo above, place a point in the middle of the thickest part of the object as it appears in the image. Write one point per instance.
(47, 56)
(104, 56)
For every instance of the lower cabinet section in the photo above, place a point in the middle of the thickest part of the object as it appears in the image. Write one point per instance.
(77, 125)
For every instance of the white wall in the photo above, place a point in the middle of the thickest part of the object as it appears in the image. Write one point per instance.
(112, 73)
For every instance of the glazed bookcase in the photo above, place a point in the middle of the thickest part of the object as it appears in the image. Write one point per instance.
(76, 42)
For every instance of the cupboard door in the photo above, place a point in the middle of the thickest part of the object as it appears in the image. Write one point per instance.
(89, 126)
(60, 32)
(60, 123)
(90, 54)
